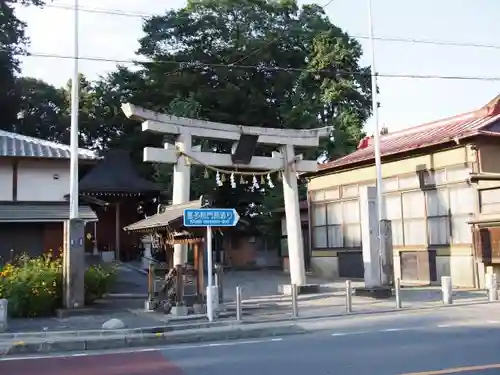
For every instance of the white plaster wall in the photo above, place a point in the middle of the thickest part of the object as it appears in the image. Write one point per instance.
(459, 267)
(325, 267)
(5, 181)
(42, 180)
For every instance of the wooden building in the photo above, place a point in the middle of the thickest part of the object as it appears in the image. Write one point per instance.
(435, 183)
(114, 190)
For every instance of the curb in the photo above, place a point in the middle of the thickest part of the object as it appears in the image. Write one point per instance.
(54, 335)
(148, 340)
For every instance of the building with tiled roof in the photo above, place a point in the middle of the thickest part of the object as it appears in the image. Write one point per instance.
(34, 183)
(439, 182)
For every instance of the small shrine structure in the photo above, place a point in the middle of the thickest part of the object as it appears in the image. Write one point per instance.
(115, 189)
(166, 229)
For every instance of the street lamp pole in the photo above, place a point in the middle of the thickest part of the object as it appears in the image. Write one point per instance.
(376, 137)
(75, 99)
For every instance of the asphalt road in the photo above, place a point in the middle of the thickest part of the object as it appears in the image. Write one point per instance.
(404, 346)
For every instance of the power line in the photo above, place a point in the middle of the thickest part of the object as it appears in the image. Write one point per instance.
(429, 41)
(111, 12)
(450, 43)
(265, 69)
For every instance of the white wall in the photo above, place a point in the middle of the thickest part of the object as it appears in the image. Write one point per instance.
(5, 180)
(42, 180)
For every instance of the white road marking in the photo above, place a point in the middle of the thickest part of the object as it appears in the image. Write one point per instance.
(395, 329)
(402, 329)
(339, 334)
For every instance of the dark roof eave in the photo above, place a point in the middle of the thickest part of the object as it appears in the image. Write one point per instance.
(114, 174)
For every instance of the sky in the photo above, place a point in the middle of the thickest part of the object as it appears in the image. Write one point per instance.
(404, 101)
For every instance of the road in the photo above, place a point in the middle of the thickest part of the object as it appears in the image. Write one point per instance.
(402, 344)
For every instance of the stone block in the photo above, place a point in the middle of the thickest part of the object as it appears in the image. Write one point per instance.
(179, 311)
(113, 324)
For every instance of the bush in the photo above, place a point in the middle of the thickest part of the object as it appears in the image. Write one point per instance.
(34, 286)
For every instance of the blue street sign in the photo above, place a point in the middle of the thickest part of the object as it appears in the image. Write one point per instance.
(210, 217)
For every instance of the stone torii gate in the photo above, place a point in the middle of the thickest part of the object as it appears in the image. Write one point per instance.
(182, 154)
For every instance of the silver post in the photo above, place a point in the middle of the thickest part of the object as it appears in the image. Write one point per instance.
(446, 290)
(348, 297)
(295, 306)
(238, 304)
(493, 287)
(397, 290)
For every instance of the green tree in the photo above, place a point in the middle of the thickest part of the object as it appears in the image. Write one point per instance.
(322, 78)
(42, 110)
(13, 42)
(307, 72)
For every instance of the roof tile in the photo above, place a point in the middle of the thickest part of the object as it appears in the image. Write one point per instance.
(17, 145)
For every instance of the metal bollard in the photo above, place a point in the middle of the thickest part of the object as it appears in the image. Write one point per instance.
(348, 297)
(295, 305)
(239, 308)
(446, 290)
(397, 291)
(491, 282)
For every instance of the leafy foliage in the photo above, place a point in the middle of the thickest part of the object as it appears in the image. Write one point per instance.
(33, 286)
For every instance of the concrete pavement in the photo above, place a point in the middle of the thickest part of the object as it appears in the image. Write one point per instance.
(450, 341)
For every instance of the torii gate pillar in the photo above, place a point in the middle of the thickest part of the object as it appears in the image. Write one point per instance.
(293, 222)
(181, 188)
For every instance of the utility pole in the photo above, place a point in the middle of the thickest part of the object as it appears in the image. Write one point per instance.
(376, 142)
(74, 267)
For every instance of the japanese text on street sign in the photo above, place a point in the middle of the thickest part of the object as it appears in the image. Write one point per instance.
(211, 217)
